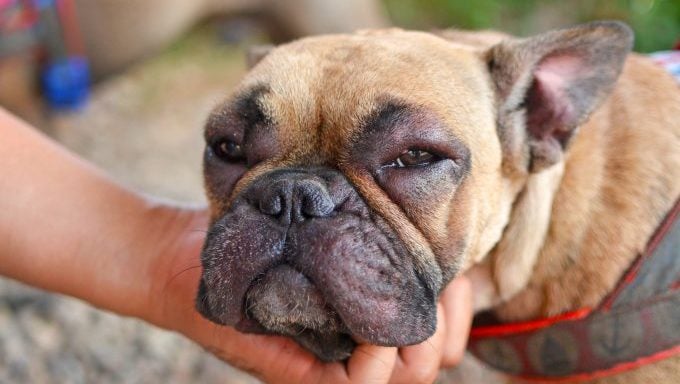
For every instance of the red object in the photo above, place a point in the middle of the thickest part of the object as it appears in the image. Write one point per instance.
(15, 17)
(623, 367)
(69, 22)
(637, 324)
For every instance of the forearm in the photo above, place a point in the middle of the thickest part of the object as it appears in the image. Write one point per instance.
(66, 227)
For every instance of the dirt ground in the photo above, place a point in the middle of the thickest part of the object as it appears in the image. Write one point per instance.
(144, 128)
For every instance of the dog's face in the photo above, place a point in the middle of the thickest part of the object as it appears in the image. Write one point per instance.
(351, 176)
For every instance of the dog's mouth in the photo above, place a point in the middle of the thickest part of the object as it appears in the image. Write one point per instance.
(285, 302)
(323, 281)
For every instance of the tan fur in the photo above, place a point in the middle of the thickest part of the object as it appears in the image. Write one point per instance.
(321, 87)
(513, 259)
(621, 176)
(538, 244)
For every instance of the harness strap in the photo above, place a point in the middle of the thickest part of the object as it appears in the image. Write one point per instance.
(637, 324)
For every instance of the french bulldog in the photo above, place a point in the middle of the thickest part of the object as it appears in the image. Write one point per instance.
(350, 177)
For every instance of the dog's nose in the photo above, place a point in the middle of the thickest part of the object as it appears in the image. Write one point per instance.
(295, 198)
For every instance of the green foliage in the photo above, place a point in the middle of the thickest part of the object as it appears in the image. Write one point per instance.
(656, 22)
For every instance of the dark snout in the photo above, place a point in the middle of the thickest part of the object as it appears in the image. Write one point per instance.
(293, 198)
(300, 254)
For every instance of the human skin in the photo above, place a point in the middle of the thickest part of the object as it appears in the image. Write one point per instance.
(66, 227)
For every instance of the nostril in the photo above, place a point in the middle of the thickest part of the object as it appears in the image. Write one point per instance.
(271, 205)
(294, 198)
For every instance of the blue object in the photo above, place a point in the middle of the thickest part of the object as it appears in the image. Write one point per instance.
(66, 82)
(42, 4)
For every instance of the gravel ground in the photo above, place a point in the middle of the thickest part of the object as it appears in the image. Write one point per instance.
(144, 128)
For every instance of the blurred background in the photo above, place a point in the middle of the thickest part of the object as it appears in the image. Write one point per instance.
(127, 84)
(656, 22)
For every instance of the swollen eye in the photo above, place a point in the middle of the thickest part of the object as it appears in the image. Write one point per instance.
(228, 150)
(414, 158)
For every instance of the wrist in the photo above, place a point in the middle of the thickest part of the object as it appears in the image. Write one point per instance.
(171, 267)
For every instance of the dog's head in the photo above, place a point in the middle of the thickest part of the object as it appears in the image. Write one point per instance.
(350, 177)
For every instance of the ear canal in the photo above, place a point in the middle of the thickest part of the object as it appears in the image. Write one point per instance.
(256, 53)
(548, 85)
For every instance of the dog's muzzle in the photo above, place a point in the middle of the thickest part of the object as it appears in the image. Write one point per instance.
(299, 253)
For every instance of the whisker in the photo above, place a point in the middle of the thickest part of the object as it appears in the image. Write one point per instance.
(179, 273)
(302, 330)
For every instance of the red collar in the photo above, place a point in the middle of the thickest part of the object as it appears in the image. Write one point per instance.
(635, 325)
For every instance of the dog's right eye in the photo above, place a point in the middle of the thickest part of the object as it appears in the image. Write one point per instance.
(228, 150)
(413, 158)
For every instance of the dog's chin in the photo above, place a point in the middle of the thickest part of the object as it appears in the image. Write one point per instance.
(285, 302)
(326, 345)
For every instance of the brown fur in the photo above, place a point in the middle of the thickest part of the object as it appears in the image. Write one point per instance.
(541, 231)
(621, 176)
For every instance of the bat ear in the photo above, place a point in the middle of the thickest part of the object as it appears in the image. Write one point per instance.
(547, 86)
(256, 53)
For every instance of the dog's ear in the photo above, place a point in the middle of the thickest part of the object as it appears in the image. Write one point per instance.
(256, 53)
(546, 86)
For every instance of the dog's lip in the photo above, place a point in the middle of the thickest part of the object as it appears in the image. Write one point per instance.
(358, 340)
(339, 352)
(249, 320)
(249, 325)
(306, 337)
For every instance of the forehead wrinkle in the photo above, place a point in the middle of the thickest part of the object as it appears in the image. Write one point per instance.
(323, 86)
(355, 93)
(243, 107)
(248, 103)
(391, 113)
(384, 117)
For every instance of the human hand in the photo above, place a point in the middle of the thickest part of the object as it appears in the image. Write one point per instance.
(176, 273)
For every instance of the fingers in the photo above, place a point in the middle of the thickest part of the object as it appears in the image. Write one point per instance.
(420, 363)
(278, 359)
(368, 364)
(281, 360)
(273, 359)
(456, 300)
(371, 364)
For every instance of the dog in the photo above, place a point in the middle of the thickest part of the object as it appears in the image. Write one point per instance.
(350, 177)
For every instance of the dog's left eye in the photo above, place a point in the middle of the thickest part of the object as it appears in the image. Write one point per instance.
(228, 150)
(413, 158)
